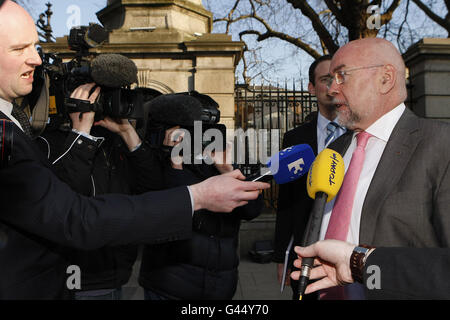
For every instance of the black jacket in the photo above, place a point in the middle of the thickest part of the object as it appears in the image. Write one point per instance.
(205, 266)
(41, 215)
(94, 168)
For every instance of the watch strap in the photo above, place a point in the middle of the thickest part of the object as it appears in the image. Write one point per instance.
(358, 260)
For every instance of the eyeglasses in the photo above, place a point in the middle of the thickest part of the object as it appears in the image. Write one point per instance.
(339, 76)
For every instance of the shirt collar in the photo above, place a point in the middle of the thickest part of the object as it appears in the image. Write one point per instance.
(382, 128)
(6, 107)
(322, 122)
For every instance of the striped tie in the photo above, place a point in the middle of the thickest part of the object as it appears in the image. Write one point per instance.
(332, 132)
(18, 113)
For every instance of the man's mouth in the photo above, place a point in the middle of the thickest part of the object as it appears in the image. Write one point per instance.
(27, 75)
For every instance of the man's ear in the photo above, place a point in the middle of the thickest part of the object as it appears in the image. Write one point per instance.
(388, 78)
(311, 89)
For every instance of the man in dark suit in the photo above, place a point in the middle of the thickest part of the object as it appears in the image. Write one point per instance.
(402, 195)
(40, 215)
(386, 273)
(294, 205)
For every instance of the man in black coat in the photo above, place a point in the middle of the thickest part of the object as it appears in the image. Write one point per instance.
(93, 160)
(294, 204)
(40, 214)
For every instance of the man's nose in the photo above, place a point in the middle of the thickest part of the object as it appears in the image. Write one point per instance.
(34, 59)
(332, 87)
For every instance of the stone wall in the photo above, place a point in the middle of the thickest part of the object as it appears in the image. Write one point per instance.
(428, 62)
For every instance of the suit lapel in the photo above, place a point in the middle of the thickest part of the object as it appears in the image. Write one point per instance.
(342, 143)
(399, 149)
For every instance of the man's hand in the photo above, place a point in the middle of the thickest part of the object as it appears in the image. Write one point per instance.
(225, 192)
(84, 122)
(123, 128)
(332, 264)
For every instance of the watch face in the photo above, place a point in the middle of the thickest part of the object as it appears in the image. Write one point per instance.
(361, 250)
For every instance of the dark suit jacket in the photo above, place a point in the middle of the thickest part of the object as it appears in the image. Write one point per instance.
(408, 273)
(40, 215)
(408, 200)
(294, 204)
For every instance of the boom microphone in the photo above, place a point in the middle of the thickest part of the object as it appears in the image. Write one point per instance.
(182, 109)
(113, 70)
(110, 70)
(287, 165)
(325, 178)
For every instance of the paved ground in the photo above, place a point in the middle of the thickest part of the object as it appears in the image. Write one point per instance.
(256, 282)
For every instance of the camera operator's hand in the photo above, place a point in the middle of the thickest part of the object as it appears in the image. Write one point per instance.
(123, 128)
(225, 192)
(222, 160)
(174, 136)
(84, 122)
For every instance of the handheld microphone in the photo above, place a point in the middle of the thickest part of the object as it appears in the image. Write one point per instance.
(325, 178)
(287, 165)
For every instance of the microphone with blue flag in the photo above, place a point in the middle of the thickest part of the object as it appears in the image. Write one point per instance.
(287, 165)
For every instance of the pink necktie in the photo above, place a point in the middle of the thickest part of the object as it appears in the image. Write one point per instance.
(342, 210)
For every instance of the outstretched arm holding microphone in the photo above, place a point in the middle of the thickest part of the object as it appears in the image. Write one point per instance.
(404, 273)
(324, 181)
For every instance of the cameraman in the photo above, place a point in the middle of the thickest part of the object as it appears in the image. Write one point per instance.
(93, 160)
(205, 266)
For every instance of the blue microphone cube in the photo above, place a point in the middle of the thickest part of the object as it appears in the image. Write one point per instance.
(291, 163)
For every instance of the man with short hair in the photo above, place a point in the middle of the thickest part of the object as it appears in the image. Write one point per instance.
(294, 204)
(41, 216)
(396, 190)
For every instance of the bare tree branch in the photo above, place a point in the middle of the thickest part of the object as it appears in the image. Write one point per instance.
(318, 26)
(445, 23)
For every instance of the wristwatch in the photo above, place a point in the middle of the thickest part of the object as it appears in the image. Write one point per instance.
(358, 260)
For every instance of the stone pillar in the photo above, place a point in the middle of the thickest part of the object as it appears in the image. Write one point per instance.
(429, 74)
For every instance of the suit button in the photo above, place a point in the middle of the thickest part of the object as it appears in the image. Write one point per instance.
(79, 141)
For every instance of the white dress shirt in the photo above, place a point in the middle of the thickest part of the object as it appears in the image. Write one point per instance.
(381, 131)
(6, 108)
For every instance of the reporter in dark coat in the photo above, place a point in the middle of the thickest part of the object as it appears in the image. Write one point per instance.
(40, 214)
(204, 267)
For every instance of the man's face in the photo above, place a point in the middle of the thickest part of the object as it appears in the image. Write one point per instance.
(320, 90)
(18, 57)
(355, 99)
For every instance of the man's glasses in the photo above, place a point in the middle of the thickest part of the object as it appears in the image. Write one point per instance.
(339, 76)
